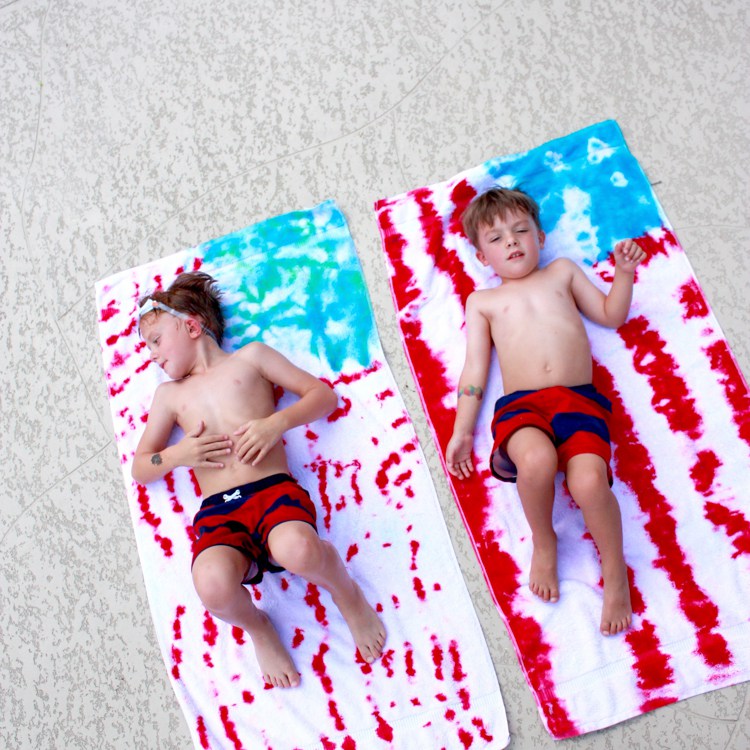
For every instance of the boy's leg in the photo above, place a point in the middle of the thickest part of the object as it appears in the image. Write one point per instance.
(535, 458)
(296, 546)
(588, 484)
(217, 575)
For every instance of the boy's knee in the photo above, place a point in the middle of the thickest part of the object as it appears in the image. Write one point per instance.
(216, 584)
(299, 551)
(215, 591)
(537, 464)
(587, 482)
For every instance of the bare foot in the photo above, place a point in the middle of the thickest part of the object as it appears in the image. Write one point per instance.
(275, 663)
(366, 628)
(543, 575)
(617, 611)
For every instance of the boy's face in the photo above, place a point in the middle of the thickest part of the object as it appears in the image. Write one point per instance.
(169, 341)
(511, 245)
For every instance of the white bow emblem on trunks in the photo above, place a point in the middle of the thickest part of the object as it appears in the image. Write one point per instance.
(234, 496)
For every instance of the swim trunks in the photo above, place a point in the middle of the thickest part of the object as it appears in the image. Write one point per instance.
(243, 518)
(576, 420)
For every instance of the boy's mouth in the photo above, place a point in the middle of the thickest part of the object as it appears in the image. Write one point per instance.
(516, 254)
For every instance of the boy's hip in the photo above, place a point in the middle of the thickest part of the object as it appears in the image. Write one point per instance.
(229, 500)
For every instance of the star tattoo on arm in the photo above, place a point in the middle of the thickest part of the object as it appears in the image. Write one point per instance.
(156, 459)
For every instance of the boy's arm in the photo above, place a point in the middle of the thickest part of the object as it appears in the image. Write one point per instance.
(316, 400)
(610, 310)
(153, 458)
(471, 386)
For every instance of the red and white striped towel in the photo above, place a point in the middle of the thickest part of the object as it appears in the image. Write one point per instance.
(681, 438)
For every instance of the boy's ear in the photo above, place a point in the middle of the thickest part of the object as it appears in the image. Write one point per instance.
(482, 258)
(194, 327)
(542, 237)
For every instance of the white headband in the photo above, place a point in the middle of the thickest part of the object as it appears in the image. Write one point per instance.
(150, 305)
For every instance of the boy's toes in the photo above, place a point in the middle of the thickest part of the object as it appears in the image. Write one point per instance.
(282, 680)
(615, 628)
(544, 592)
(372, 652)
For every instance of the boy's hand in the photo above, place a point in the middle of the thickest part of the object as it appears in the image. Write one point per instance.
(628, 254)
(203, 451)
(458, 455)
(258, 437)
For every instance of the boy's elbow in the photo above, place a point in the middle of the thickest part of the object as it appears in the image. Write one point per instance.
(331, 400)
(611, 317)
(136, 473)
(618, 320)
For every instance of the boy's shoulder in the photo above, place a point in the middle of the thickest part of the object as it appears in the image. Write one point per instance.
(562, 267)
(165, 394)
(252, 351)
(167, 388)
(562, 263)
(480, 295)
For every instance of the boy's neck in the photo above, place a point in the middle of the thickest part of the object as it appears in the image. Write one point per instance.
(207, 355)
(531, 273)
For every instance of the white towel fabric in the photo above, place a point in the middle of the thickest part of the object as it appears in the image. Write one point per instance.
(294, 282)
(681, 437)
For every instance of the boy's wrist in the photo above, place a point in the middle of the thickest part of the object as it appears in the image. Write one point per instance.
(168, 459)
(462, 433)
(282, 420)
(626, 271)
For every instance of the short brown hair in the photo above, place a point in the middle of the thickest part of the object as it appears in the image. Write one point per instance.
(194, 293)
(497, 201)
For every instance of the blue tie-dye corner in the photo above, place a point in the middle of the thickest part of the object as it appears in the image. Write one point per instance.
(594, 161)
(296, 278)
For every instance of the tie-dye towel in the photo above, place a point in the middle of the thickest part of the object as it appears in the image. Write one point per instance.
(681, 438)
(295, 283)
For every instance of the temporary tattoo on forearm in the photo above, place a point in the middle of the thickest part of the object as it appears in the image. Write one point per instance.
(471, 390)
(156, 459)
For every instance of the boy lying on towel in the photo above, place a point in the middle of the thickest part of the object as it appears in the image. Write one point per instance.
(552, 418)
(255, 517)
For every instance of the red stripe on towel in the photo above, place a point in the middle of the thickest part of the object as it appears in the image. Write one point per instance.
(662, 245)
(501, 571)
(230, 729)
(461, 195)
(734, 385)
(692, 300)
(445, 259)
(651, 664)
(733, 523)
(671, 394)
(636, 469)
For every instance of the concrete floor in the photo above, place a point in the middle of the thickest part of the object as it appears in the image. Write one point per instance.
(131, 130)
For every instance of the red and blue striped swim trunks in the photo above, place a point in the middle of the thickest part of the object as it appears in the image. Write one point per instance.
(576, 419)
(244, 517)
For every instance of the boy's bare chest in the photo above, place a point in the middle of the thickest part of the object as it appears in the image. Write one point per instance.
(224, 398)
(542, 302)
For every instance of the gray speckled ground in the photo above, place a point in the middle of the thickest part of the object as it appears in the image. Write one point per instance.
(131, 130)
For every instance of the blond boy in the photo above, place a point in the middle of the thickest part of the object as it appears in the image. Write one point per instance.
(255, 517)
(551, 417)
